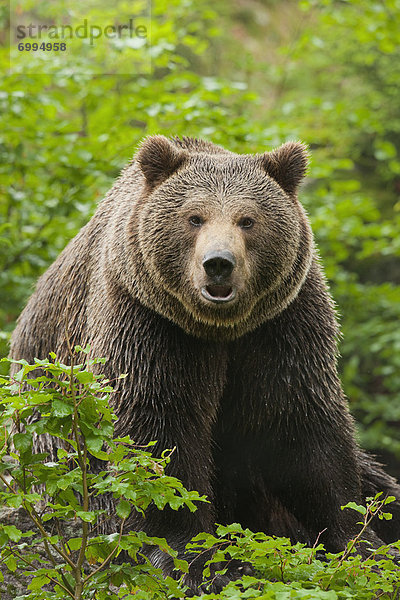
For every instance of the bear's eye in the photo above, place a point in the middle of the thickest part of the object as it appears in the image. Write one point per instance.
(246, 223)
(196, 221)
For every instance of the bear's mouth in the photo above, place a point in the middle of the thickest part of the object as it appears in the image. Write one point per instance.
(218, 293)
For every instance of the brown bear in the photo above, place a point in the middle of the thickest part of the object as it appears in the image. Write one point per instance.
(198, 277)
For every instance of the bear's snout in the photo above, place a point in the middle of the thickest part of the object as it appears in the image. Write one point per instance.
(219, 265)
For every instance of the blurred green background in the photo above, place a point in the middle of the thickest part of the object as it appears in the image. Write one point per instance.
(248, 75)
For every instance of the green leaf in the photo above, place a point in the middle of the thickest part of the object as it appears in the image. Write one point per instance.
(357, 507)
(386, 516)
(11, 563)
(123, 509)
(389, 499)
(38, 582)
(12, 532)
(75, 543)
(22, 441)
(182, 565)
(87, 516)
(84, 376)
(85, 350)
(14, 501)
(94, 444)
(61, 408)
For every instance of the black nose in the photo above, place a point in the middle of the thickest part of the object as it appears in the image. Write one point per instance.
(219, 264)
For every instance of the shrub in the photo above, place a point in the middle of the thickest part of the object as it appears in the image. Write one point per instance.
(64, 548)
(66, 555)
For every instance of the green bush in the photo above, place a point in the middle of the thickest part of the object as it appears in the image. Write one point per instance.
(71, 404)
(63, 555)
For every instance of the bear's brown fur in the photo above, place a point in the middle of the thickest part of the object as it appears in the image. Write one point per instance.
(198, 277)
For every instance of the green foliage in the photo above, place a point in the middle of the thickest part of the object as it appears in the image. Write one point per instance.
(71, 404)
(283, 571)
(63, 555)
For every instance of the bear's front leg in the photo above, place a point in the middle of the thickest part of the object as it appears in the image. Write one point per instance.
(313, 480)
(287, 399)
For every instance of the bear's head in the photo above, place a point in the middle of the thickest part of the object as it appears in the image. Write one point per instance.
(223, 242)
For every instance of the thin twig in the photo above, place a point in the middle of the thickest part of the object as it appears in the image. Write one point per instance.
(36, 519)
(109, 557)
(315, 545)
(55, 581)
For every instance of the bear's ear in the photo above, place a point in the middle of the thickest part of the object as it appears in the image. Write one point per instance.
(287, 165)
(158, 159)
